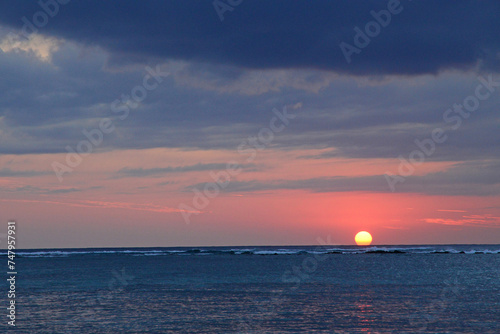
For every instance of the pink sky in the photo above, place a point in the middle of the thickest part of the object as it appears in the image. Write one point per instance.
(136, 211)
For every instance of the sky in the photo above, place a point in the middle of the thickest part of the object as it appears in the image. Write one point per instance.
(225, 123)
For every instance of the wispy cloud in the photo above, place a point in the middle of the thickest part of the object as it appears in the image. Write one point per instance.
(45, 190)
(471, 220)
(165, 183)
(40, 190)
(476, 178)
(105, 205)
(442, 210)
(158, 172)
(395, 227)
(7, 172)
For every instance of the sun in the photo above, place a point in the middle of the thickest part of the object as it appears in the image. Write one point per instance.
(363, 238)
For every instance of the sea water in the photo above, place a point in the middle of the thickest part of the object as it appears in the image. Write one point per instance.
(300, 289)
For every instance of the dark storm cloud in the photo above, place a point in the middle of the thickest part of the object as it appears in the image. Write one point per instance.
(45, 106)
(424, 37)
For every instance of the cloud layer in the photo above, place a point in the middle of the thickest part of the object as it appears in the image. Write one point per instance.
(423, 37)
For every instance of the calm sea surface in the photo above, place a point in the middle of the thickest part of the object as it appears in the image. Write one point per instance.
(331, 289)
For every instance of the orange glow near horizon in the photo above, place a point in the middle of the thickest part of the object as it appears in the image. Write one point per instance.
(99, 198)
(363, 238)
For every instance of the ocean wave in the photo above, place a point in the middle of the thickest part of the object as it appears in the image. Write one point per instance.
(265, 251)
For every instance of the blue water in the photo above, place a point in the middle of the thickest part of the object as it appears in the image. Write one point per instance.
(301, 289)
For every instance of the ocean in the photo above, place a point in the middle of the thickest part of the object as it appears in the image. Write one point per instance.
(293, 289)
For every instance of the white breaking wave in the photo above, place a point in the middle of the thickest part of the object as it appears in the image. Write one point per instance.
(264, 251)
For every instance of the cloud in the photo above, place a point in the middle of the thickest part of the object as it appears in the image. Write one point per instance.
(63, 191)
(451, 210)
(106, 205)
(40, 190)
(40, 46)
(467, 179)
(321, 184)
(45, 190)
(472, 220)
(224, 82)
(7, 172)
(230, 79)
(165, 183)
(341, 113)
(158, 172)
(426, 37)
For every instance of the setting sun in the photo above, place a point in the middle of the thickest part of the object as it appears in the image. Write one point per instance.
(363, 238)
